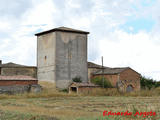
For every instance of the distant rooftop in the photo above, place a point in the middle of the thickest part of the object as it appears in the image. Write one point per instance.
(111, 71)
(93, 65)
(10, 64)
(62, 29)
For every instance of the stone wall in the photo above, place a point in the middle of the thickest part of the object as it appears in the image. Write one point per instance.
(17, 82)
(71, 58)
(46, 46)
(12, 71)
(61, 57)
(14, 89)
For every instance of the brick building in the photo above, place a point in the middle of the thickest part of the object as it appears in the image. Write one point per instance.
(125, 79)
(15, 78)
(92, 67)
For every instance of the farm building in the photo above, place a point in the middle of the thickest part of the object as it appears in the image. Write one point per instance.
(92, 67)
(16, 78)
(125, 79)
(18, 84)
(82, 88)
(62, 56)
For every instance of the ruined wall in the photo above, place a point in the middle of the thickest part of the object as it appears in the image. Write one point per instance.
(71, 58)
(130, 77)
(28, 71)
(46, 57)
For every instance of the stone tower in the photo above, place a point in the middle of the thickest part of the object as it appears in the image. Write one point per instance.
(62, 56)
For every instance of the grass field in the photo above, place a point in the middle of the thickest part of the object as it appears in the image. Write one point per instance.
(61, 106)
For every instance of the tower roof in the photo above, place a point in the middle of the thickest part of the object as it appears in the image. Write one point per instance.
(62, 29)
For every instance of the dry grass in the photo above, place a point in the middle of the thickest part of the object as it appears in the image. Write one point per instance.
(49, 90)
(103, 92)
(114, 92)
(51, 104)
(80, 107)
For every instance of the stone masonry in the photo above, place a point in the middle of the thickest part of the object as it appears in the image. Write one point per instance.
(62, 56)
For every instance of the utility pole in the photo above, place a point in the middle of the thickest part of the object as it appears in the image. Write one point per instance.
(102, 73)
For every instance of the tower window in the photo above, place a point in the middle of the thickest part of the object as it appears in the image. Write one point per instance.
(45, 57)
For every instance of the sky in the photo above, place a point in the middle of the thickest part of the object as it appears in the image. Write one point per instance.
(125, 32)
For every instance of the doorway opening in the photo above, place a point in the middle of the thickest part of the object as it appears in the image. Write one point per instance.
(129, 88)
(74, 89)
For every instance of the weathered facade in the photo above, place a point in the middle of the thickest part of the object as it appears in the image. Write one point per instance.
(125, 79)
(18, 84)
(12, 69)
(62, 56)
(15, 78)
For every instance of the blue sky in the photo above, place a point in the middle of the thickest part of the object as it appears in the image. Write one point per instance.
(135, 25)
(126, 33)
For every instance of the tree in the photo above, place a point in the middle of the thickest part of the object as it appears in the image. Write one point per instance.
(148, 83)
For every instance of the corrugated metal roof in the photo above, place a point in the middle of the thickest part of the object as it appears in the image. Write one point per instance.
(84, 84)
(17, 77)
(62, 29)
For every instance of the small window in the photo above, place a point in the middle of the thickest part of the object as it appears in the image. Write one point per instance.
(45, 57)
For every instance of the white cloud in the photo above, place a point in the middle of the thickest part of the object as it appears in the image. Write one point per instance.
(101, 18)
(134, 50)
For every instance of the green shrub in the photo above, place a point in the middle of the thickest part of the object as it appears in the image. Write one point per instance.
(148, 83)
(77, 79)
(99, 81)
